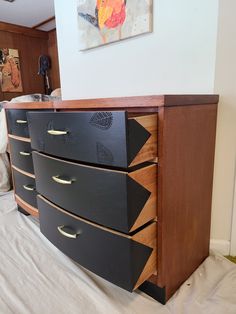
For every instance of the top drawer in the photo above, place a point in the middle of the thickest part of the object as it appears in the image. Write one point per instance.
(108, 138)
(17, 122)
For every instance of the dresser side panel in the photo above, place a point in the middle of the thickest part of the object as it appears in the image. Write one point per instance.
(185, 177)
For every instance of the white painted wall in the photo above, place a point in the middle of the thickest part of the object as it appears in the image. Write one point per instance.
(178, 57)
(225, 85)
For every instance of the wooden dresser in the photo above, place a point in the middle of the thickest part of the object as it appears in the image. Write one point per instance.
(122, 185)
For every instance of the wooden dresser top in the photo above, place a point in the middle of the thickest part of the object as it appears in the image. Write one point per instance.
(120, 102)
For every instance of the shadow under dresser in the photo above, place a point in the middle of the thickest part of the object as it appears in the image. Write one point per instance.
(122, 186)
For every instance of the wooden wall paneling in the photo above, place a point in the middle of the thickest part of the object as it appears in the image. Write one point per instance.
(185, 175)
(53, 54)
(22, 30)
(30, 48)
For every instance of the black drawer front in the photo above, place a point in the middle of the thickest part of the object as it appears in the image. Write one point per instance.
(17, 122)
(118, 259)
(110, 198)
(93, 137)
(25, 188)
(21, 155)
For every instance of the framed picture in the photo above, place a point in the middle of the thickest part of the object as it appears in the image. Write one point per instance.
(105, 21)
(10, 75)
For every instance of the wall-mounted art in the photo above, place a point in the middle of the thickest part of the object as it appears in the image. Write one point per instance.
(106, 21)
(10, 76)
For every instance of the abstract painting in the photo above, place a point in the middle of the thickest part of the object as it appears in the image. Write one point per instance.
(10, 75)
(106, 21)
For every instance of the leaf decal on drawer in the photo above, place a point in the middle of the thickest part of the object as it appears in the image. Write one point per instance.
(102, 120)
(104, 154)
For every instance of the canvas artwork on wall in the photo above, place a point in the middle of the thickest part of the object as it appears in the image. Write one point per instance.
(10, 75)
(106, 21)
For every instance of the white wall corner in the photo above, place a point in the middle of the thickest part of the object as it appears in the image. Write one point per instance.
(221, 246)
(233, 229)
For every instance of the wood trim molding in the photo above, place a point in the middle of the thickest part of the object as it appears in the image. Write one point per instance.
(140, 102)
(23, 172)
(27, 207)
(12, 28)
(44, 22)
(29, 105)
(19, 138)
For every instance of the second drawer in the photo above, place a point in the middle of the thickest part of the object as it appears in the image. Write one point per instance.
(116, 199)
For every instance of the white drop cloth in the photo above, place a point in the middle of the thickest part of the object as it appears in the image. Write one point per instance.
(37, 278)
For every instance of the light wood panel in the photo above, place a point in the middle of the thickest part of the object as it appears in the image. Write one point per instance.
(148, 238)
(149, 150)
(146, 177)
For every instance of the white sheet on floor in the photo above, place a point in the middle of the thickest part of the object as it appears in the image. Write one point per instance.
(37, 278)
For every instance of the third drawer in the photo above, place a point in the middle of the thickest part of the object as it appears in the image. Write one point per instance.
(21, 155)
(120, 200)
(124, 260)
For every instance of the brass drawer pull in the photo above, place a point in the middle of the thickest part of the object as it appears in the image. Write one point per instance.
(29, 187)
(66, 232)
(61, 181)
(21, 121)
(25, 153)
(57, 132)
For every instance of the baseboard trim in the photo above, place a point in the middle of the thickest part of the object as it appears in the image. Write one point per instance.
(221, 246)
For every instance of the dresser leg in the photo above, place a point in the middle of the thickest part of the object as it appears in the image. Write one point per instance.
(22, 211)
(154, 291)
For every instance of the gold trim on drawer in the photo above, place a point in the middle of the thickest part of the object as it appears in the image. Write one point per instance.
(27, 207)
(19, 138)
(24, 172)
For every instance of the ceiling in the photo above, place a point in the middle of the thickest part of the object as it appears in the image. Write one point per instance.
(28, 13)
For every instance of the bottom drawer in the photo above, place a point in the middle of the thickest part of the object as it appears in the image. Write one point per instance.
(124, 260)
(25, 188)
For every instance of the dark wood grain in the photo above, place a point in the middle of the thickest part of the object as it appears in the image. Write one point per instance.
(22, 30)
(29, 105)
(31, 43)
(185, 175)
(30, 48)
(185, 100)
